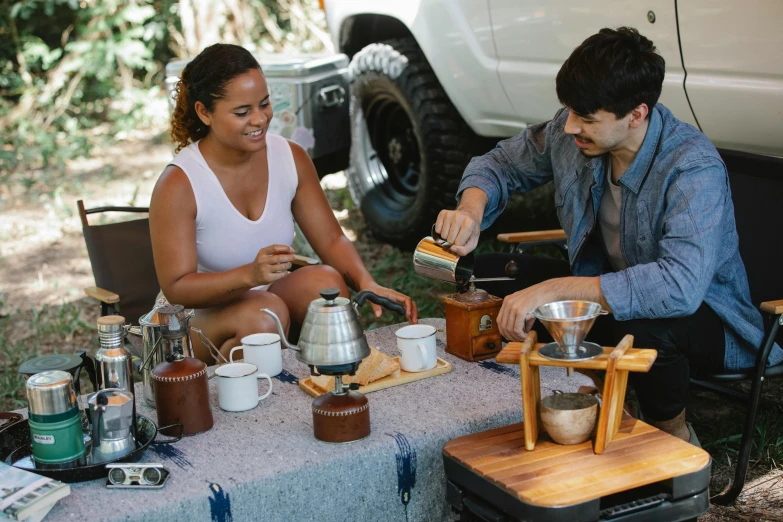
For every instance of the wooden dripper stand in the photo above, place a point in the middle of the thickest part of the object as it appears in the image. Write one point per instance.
(615, 361)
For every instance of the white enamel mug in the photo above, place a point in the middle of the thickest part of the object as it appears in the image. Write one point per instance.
(263, 350)
(238, 386)
(416, 343)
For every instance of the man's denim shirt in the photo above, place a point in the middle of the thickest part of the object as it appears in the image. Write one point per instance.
(677, 229)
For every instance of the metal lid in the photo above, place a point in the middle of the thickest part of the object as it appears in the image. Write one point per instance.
(282, 65)
(50, 379)
(330, 302)
(50, 393)
(57, 361)
(153, 317)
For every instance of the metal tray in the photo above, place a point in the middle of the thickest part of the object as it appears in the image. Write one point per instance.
(16, 450)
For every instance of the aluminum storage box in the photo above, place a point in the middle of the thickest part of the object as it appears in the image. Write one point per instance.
(309, 95)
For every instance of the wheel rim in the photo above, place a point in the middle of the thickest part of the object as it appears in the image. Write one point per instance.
(390, 151)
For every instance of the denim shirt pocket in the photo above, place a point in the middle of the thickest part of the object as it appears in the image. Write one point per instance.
(562, 186)
(644, 236)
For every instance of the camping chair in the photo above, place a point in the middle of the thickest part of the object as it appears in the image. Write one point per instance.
(756, 193)
(121, 260)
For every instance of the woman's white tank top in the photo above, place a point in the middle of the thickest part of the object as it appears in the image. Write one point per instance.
(225, 238)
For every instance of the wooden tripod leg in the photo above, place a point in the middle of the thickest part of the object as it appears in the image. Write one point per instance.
(530, 392)
(613, 397)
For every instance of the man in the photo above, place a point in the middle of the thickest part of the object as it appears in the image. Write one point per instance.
(645, 203)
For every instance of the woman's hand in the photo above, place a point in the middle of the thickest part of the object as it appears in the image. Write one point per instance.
(271, 263)
(411, 310)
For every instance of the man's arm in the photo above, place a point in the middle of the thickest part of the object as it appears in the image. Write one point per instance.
(518, 164)
(521, 163)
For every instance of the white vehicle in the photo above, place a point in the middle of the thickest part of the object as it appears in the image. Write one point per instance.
(435, 82)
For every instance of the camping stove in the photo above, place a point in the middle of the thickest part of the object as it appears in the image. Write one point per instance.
(343, 414)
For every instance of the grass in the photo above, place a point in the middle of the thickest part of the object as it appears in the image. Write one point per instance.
(723, 438)
(26, 334)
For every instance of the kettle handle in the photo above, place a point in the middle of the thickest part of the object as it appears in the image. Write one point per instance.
(366, 295)
(88, 365)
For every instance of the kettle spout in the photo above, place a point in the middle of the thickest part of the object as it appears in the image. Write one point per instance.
(280, 331)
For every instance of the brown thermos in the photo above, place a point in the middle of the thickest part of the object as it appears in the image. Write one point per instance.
(182, 395)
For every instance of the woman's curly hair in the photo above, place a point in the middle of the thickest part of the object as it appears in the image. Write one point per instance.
(204, 79)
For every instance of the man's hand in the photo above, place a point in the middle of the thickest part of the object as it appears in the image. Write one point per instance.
(460, 228)
(516, 315)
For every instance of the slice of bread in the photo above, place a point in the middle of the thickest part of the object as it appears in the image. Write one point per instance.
(387, 367)
(366, 368)
(375, 366)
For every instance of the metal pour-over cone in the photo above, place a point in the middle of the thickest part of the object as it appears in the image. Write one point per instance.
(568, 322)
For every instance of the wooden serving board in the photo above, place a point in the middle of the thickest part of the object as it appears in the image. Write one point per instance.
(395, 379)
(553, 475)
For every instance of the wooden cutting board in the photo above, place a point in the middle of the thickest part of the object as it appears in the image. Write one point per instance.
(395, 379)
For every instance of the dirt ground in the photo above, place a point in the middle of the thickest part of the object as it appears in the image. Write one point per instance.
(43, 261)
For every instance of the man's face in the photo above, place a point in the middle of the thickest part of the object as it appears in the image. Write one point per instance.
(598, 133)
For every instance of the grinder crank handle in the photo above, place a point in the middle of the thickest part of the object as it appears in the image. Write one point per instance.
(366, 295)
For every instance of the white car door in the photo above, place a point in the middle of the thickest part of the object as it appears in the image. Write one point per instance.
(534, 37)
(733, 53)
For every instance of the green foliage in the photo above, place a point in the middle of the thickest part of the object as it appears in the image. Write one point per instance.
(75, 71)
(76, 74)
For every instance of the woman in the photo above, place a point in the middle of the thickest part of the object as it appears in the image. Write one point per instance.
(222, 213)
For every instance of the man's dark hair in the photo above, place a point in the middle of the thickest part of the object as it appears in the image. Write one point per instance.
(615, 70)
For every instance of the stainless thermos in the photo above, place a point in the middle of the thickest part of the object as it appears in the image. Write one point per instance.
(114, 365)
(113, 362)
(55, 423)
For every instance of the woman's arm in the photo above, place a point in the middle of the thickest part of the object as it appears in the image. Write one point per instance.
(316, 219)
(173, 233)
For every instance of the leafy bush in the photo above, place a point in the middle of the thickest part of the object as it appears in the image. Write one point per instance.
(77, 73)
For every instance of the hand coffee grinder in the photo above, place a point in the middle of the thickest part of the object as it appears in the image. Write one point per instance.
(471, 313)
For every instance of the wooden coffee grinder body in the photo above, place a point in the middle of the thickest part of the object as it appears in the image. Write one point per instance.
(471, 326)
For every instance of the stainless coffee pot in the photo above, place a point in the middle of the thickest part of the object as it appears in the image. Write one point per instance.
(155, 348)
(111, 410)
(332, 334)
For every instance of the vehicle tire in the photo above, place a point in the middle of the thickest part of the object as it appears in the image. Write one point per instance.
(409, 145)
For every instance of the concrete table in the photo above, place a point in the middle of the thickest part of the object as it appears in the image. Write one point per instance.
(265, 464)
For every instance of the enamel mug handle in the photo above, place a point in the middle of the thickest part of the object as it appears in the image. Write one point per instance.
(231, 353)
(265, 376)
(423, 351)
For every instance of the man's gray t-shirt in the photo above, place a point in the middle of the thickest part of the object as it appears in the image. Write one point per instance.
(609, 219)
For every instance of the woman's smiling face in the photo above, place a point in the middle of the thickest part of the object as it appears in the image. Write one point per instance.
(241, 118)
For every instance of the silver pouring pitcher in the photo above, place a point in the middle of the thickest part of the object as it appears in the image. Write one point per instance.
(434, 259)
(332, 334)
